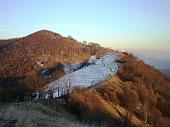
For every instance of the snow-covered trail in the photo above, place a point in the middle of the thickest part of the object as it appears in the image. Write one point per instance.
(87, 76)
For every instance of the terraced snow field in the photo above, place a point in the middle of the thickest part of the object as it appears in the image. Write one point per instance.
(92, 74)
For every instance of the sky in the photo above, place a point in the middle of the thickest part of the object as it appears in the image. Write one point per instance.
(119, 24)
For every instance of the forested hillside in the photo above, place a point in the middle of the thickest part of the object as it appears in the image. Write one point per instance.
(33, 61)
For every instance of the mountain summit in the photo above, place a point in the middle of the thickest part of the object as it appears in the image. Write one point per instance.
(45, 34)
(24, 60)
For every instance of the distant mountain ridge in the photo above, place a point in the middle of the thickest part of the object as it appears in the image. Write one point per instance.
(161, 64)
(167, 72)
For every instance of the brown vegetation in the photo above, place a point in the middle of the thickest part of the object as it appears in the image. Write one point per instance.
(152, 91)
(89, 106)
(138, 95)
(19, 58)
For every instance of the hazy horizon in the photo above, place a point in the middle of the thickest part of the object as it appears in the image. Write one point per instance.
(129, 24)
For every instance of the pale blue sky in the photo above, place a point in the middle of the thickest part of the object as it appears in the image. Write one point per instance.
(134, 24)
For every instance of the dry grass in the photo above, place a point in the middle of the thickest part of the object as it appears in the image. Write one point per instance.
(131, 95)
(145, 85)
(101, 104)
(31, 114)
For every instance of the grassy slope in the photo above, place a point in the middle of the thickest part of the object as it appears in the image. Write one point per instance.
(103, 99)
(139, 94)
(149, 87)
(32, 114)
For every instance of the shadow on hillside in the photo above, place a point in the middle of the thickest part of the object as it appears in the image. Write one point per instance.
(11, 88)
(5, 47)
(49, 71)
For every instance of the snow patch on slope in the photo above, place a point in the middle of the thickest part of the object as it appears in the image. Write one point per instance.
(87, 76)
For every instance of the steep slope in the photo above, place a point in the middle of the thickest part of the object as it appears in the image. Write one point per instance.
(101, 102)
(43, 45)
(38, 59)
(87, 76)
(139, 95)
(33, 114)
